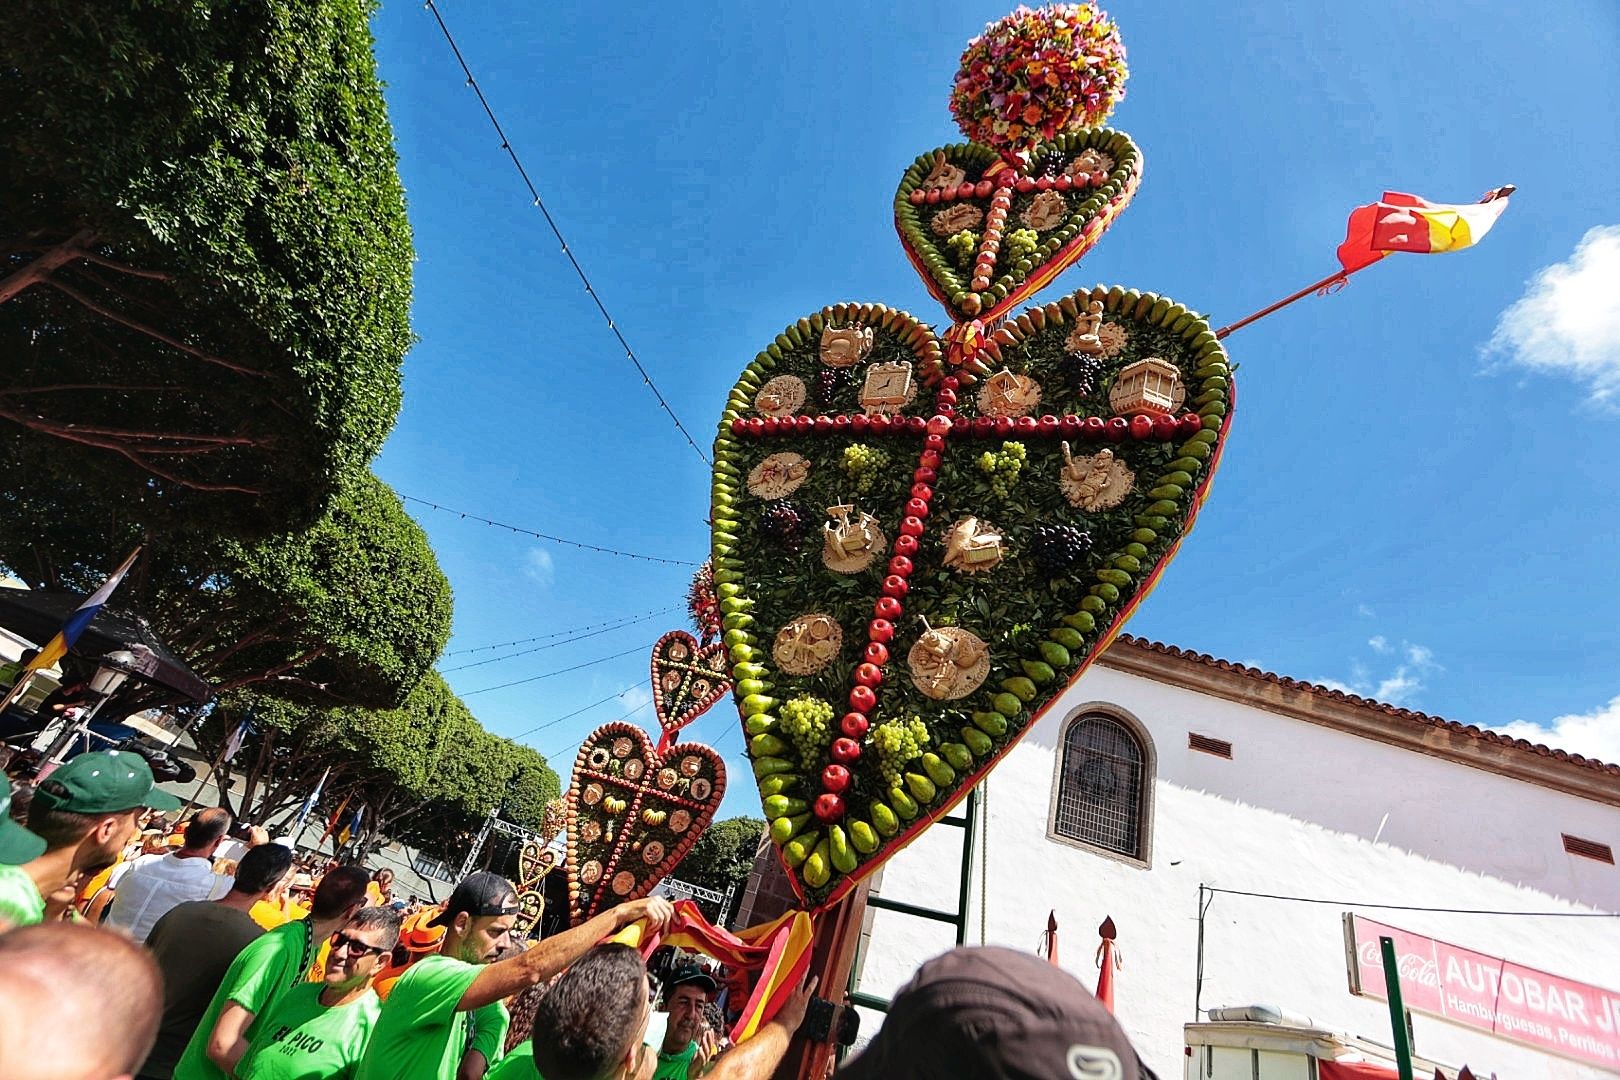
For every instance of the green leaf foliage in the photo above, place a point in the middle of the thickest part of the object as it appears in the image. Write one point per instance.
(352, 610)
(427, 772)
(205, 263)
(723, 854)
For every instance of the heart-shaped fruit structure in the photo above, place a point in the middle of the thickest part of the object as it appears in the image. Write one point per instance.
(687, 678)
(912, 564)
(985, 236)
(634, 813)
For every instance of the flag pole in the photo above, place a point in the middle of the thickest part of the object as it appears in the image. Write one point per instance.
(1327, 286)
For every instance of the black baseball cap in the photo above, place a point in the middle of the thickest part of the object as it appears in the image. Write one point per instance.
(482, 893)
(996, 1014)
(691, 975)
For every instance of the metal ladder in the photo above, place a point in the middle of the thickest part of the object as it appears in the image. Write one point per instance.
(958, 918)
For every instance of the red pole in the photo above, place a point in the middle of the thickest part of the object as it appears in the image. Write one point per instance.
(1106, 964)
(1332, 283)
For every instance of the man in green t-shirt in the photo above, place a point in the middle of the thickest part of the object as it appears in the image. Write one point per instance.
(85, 812)
(486, 1042)
(423, 1030)
(687, 1036)
(318, 1031)
(270, 966)
(595, 1024)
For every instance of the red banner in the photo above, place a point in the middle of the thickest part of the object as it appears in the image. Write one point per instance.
(1569, 1018)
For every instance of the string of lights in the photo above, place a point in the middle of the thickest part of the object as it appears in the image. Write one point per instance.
(560, 633)
(551, 645)
(534, 193)
(547, 536)
(559, 671)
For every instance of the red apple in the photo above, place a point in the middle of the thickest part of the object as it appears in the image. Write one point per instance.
(862, 699)
(880, 630)
(894, 585)
(829, 807)
(1094, 427)
(911, 526)
(905, 545)
(877, 653)
(900, 565)
(887, 607)
(1141, 427)
(854, 724)
(868, 674)
(1165, 427)
(845, 750)
(1118, 430)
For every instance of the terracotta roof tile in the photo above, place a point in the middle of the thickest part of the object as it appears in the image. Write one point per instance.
(1368, 703)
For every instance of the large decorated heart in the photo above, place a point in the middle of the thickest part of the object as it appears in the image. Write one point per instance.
(985, 237)
(687, 679)
(913, 563)
(633, 814)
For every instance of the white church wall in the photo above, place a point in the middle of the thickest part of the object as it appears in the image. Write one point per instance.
(1294, 812)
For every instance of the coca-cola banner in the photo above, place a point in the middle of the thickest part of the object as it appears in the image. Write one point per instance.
(1560, 1015)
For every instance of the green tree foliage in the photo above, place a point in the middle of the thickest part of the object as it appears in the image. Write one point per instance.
(426, 773)
(205, 263)
(352, 610)
(723, 854)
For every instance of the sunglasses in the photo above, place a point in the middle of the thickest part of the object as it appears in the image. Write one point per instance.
(355, 947)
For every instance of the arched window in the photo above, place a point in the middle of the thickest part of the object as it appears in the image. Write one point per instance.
(1104, 785)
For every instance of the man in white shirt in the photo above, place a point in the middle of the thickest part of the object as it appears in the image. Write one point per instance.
(156, 883)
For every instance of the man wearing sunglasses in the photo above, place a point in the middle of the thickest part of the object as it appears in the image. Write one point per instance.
(318, 1031)
(423, 1030)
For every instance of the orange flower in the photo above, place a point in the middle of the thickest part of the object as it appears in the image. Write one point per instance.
(1032, 114)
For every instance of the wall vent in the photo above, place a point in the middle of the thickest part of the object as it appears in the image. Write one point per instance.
(1589, 849)
(1207, 745)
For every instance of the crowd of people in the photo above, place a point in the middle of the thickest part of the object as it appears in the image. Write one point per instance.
(274, 971)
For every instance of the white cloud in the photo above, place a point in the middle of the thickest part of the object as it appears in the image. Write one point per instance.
(1568, 320)
(1595, 734)
(1365, 611)
(539, 568)
(1400, 686)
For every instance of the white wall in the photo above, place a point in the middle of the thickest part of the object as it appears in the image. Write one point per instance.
(1294, 812)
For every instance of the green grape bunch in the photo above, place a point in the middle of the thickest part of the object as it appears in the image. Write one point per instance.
(898, 742)
(863, 464)
(964, 247)
(807, 722)
(1003, 467)
(1021, 243)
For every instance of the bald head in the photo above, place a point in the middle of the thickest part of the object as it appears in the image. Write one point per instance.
(82, 1003)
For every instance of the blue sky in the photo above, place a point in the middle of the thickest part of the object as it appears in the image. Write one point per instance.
(1418, 497)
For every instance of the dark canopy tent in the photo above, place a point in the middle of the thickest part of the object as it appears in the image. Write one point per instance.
(37, 615)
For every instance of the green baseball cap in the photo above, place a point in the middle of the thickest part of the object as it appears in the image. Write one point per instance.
(103, 782)
(17, 844)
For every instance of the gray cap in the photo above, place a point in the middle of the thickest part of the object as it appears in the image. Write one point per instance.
(997, 1014)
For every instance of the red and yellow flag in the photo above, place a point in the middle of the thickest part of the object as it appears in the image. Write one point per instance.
(1401, 222)
(778, 950)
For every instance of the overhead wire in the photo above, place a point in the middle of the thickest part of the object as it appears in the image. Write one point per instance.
(573, 748)
(556, 634)
(547, 536)
(552, 645)
(569, 716)
(559, 671)
(551, 222)
(1418, 907)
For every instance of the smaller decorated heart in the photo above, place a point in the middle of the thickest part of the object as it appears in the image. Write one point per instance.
(537, 859)
(687, 679)
(985, 235)
(634, 813)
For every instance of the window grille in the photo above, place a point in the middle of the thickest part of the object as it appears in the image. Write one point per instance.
(1102, 786)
